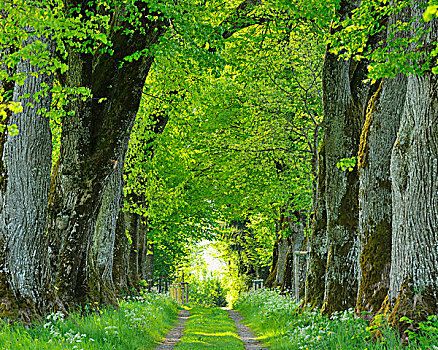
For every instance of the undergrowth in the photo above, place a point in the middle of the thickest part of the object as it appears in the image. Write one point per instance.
(281, 324)
(139, 323)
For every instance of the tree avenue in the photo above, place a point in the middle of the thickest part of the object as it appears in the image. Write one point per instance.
(133, 130)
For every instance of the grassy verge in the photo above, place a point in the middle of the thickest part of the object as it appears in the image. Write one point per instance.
(209, 328)
(282, 325)
(139, 324)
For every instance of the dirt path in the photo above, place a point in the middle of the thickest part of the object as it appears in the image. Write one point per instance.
(175, 334)
(248, 337)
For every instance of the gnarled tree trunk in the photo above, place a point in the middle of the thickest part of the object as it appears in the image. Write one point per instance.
(121, 255)
(345, 98)
(375, 196)
(92, 141)
(315, 281)
(100, 264)
(25, 191)
(414, 171)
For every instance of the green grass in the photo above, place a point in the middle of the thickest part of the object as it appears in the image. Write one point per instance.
(281, 325)
(209, 328)
(139, 323)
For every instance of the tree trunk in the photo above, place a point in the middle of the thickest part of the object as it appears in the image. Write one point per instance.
(414, 171)
(283, 249)
(270, 280)
(100, 264)
(25, 190)
(295, 243)
(92, 141)
(121, 255)
(375, 196)
(147, 262)
(345, 97)
(134, 257)
(315, 281)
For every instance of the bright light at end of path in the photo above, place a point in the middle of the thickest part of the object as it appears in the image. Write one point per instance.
(209, 255)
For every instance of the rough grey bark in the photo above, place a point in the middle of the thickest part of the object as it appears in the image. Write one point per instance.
(93, 139)
(375, 196)
(121, 256)
(295, 243)
(414, 171)
(133, 226)
(147, 262)
(315, 280)
(283, 249)
(23, 203)
(344, 101)
(102, 250)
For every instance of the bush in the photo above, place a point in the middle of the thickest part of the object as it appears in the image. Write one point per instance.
(207, 292)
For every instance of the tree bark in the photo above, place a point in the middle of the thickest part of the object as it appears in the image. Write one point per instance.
(344, 100)
(23, 201)
(414, 170)
(102, 251)
(375, 196)
(134, 256)
(92, 141)
(270, 280)
(121, 255)
(315, 281)
(295, 243)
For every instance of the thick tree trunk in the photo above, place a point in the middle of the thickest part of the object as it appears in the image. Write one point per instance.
(315, 281)
(270, 280)
(121, 256)
(25, 191)
(100, 264)
(93, 140)
(283, 249)
(375, 196)
(345, 98)
(134, 256)
(414, 171)
(295, 243)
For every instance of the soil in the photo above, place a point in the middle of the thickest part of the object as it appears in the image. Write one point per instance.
(248, 337)
(175, 335)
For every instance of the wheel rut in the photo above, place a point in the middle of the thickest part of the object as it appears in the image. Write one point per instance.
(248, 337)
(175, 334)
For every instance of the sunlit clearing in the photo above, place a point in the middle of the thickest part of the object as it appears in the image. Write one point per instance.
(209, 254)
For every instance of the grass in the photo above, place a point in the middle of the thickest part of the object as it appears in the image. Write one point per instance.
(139, 323)
(282, 325)
(209, 328)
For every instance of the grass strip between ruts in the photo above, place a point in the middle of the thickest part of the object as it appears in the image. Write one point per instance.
(209, 328)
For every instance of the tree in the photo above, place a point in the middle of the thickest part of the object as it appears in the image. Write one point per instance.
(413, 263)
(345, 99)
(26, 166)
(375, 192)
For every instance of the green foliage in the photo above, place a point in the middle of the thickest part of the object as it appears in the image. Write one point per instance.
(11, 107)
(431, 11)
(347, 163)
(138, 323)
(207, 292)
(426, 335)
(359, 37)
(209, 328)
